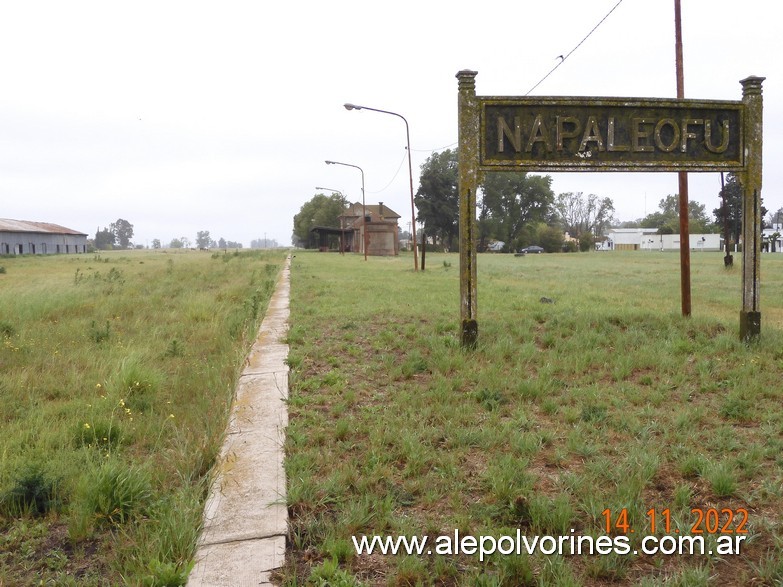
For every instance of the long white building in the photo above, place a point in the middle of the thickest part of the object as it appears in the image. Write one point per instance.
(22, 237)
(648, 239)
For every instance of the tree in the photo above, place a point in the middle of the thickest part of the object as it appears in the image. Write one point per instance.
(729, 214)
(104, 239)
(580, 215)
(512, 200)
(175, 243)
(156, 243)
(320, 210)
(549, 237)
(263, 243)
(667, 219)
(203, 241)
(123, 232)
(774, 218)
(436, 199)
(729, 218)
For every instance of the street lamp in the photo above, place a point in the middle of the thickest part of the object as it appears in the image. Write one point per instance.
(410, 173)
(342, 218)
(364, 207)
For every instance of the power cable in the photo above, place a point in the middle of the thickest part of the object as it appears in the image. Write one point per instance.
(563, 58)
(396, 173)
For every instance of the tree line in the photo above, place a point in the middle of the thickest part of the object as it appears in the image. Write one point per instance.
(520, 209)
(119, 234)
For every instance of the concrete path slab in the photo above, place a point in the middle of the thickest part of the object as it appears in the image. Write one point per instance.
(245, 517)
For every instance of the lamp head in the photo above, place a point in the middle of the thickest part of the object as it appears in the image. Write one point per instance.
(329, 162)
(351, 107)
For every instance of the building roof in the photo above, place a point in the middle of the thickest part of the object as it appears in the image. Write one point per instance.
(379, 211)
(639, 231)
(8, 225)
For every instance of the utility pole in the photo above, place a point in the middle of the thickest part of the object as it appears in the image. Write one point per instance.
(685, 239)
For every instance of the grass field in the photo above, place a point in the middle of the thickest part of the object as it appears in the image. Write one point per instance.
(603, 407)
(116, 374)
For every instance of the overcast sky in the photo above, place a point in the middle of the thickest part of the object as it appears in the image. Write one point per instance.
(188, 116)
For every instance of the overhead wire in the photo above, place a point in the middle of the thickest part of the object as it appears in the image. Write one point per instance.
(396, 173)
(564, 57)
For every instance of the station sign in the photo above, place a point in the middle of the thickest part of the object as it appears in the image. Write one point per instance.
(610, 134)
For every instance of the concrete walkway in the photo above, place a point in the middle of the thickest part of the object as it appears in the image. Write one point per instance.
(245, 518)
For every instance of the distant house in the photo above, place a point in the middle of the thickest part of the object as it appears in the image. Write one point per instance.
(22, 237)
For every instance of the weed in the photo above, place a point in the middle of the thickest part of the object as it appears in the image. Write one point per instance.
(593, 413)
(114, 492)
(769, 569)
(174, 349)
(166, 574)
(722, 477)
(99, 334)
(7, 329)
(329, 574)
(34, 490)
(138, 382)
(490, 399)
(103, 435)
(736, 407)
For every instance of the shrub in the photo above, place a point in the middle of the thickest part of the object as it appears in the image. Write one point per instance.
(116, 491)
(33, 491)
(138, 382)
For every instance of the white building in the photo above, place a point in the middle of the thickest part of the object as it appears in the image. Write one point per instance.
(648, 239)
(772, 239)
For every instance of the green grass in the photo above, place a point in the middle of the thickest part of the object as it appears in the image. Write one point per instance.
(116, 375)
(605, 399)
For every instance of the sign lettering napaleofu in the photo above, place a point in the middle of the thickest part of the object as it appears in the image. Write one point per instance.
(611, 134)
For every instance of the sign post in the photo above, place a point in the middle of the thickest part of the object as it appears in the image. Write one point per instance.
(467, 184)
(750, 180)
(608, 134)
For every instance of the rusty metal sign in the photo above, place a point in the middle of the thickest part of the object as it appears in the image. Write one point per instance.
(608, 134)
(611, 134)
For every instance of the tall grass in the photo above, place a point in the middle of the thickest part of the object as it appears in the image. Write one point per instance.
(605, 399)
(117, 373)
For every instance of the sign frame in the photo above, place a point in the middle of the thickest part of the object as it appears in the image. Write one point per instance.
(473, 162)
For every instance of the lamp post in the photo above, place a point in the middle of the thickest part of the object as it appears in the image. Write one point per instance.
(342, 219)
(410, 173)
(364, 207)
